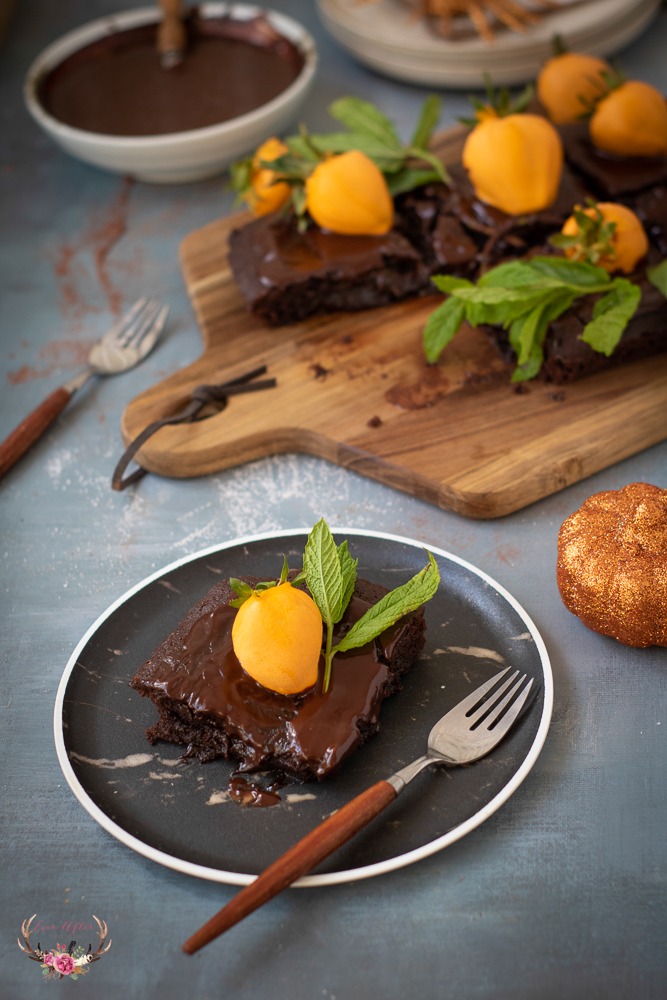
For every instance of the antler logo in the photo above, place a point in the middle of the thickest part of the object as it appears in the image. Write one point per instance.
(71, 960)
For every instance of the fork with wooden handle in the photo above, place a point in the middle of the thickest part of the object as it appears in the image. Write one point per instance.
(123, 347)
(469, 731)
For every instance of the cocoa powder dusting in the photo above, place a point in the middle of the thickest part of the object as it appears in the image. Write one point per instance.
(72, 261)
(56, 356)
(83, 269)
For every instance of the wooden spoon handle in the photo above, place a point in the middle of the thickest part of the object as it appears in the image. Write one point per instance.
(31, 429)
(299, 859)
(171, 35)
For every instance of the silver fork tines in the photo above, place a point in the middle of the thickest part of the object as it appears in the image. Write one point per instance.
(128, 342)
(145, 316)
(503, 719)
(487, 700)
(474, 726)
(496, 715)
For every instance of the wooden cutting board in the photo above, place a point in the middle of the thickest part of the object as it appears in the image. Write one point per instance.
(354, 389)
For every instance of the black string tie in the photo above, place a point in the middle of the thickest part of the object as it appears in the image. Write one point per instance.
(216, 396)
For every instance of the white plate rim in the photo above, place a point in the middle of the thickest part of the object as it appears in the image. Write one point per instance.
(326, 878)
(418, 56)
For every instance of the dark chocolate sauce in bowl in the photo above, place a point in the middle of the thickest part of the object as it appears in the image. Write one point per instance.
(116, 85)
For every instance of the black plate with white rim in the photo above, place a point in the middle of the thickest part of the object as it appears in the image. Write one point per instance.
(179, 814)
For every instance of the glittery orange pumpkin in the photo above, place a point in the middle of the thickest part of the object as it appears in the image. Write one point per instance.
(612, 564)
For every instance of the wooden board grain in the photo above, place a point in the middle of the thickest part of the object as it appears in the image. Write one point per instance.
(354, 389)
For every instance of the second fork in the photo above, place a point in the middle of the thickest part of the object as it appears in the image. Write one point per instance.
(123, 347)
(467, 732)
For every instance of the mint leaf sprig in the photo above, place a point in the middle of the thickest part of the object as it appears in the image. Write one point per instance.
(330, 574)
(405, 166)
(499, 103)
(657, 275)
(524, 297)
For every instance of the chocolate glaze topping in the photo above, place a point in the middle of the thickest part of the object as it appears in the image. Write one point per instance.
(116, 85)
(287, 275)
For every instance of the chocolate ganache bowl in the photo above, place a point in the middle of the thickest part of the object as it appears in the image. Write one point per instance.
(102, 95)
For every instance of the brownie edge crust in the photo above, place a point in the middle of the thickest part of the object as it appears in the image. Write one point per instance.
(207, 703)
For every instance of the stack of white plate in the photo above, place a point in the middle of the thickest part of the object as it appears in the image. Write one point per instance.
(387, 36)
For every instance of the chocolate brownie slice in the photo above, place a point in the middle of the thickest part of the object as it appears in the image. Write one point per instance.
(209, 704)
(567, 357)
(609, 177)
(285, 275)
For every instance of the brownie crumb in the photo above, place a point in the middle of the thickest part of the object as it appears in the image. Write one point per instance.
(319, 371)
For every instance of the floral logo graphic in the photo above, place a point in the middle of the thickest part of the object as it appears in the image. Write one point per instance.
(70, 960)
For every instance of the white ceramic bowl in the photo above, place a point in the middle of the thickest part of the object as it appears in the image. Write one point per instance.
(179, 156)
